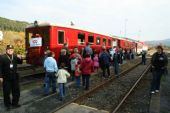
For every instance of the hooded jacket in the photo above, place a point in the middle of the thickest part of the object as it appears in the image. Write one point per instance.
(87, 66)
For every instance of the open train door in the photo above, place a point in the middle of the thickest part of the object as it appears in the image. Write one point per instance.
(114, 43)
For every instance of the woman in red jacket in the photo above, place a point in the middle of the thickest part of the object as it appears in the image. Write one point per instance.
(86, 68)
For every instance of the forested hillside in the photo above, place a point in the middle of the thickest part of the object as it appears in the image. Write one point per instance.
(12, 25)
(13, 33)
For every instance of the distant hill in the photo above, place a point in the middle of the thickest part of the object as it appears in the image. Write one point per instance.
(165, 42)
(12, 25)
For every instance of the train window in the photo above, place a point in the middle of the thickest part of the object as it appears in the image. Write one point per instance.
(104, 41)
(81, 38)
(61, 37)
(97, 40)
(109, 42)
(91, 39)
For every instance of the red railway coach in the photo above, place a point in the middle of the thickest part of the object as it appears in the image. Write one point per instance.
(40, 37)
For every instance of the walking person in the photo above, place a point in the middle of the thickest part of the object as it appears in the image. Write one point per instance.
(116, 61)
(86, 68)
(143, 57)
(9, 77)
(62, 76)
(104, 60)
(51, 68)
(159, 62)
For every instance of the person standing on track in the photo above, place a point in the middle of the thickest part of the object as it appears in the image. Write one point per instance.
(86, 68)
(104, 61)
(51, 68)
(9, 77)
(143, 57)
(116, 62)
(62, 75)
(159, 62)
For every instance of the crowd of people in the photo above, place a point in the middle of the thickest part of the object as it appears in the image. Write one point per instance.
(78, 66)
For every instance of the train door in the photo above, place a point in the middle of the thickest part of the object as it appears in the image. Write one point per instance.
(118, 43)
(114, 43)
(37, 40)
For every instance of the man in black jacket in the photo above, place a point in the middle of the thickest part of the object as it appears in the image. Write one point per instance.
(9, 77)
(159, 62)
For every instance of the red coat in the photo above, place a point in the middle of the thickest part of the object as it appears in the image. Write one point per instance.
(87, 66)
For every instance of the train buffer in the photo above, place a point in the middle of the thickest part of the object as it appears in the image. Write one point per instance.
(76, 108)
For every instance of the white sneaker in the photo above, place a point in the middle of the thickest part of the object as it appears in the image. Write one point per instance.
(156, 91)
(152, 92)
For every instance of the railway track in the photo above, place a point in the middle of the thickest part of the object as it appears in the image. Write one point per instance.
(100, 98)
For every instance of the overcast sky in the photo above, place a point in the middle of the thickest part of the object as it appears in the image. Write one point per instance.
(136, 19)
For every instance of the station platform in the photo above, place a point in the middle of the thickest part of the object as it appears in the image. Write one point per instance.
(160, 102)
(76, 108)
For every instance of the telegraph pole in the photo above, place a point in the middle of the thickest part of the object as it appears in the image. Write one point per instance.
(125, 27)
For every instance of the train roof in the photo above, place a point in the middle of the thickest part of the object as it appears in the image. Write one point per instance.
(43, 24)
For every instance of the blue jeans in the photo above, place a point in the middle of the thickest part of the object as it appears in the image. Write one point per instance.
(77, 81)
(157, 74)
(62, 89)
(50, 80)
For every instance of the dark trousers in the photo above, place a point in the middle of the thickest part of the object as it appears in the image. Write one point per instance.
(77, 81)
(144, 61)
(116, 68)
(86, 80)
(156, 79)
(8, 87)
(50, 80)
(72, 75)
(104, 68)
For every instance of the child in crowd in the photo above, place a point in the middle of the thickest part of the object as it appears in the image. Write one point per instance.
(73, 63)
(62, 75)
(77, 74)
(86, 68)
(96, 62)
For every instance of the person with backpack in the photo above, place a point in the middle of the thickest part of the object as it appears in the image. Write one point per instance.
(159, 62)
(75, 58)
(104, 61)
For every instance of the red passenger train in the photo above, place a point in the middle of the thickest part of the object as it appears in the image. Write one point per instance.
(40, 37)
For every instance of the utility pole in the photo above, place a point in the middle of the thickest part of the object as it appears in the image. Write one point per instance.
(125, 27)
